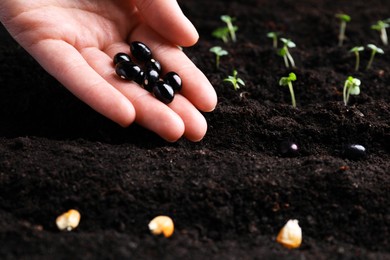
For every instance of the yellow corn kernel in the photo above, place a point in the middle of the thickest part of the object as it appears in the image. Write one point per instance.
(290, 235)
(161, 224)
(69, 220)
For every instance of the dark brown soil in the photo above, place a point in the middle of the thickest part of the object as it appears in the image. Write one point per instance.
(231, 193)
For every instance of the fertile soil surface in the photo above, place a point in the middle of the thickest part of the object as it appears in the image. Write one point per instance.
(229, 194)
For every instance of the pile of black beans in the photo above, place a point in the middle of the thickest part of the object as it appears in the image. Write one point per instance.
(147, 72)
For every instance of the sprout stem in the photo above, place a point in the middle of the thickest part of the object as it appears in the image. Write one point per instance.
(290, 58)
(290, 87)
(384, 36)
(343, 25)
(345, 94)
(232, 31)
(344, 18)
(357, 61)
(217, 61)
(275, 42)
(286, 61)
(371, 59)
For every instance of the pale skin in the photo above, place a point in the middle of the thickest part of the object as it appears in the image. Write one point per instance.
(75, 42)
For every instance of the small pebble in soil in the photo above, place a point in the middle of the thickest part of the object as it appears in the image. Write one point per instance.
(140, 51)
(290, 235)
(355, 151)
(173, 79)
(161, 225)
(288, 149)
(68, 220)
(163, 92)
(121, 57)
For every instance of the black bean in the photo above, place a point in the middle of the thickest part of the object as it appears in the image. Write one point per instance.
(140, 77)
(121, 57)
(163, 92)
(127, 70)
(153, 64)
(288, 149)
(140, 51)
(150, 79)
(354, 151)
(173, 79)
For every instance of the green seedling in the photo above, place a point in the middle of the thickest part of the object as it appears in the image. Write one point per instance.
(221, 33)
(344, 19)
(287, 81)
(218, 51)
(356, 50)
(351, 87)
(284, 52)
(381, 26)
(236, 82)
(229, 23)
(274, 37)
(374, 50)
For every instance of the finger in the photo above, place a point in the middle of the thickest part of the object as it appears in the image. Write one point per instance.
(150, 112)
(196, 87)
(71, 69)
(166, 17)
(194, 122)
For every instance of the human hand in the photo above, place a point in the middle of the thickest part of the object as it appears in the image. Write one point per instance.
(75, 42)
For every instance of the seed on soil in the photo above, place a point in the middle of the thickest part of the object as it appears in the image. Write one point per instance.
(140, 51)
(290, 235)
(174, 80)
(121, 57)
(288, 149)
(153, 64)
(150, 79)
(163, 92)
(355, 151)
(127, 70)
(161, 225)
(68, 220)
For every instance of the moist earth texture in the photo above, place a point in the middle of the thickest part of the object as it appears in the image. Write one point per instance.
(231, 193)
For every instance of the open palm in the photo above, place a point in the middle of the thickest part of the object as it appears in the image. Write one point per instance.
(75, 41)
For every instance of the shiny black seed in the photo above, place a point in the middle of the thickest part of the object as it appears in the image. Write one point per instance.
(140, 51)
(288, 149)
(150, 79)
(163, 92)
(140, 77)
(354, 151)
(173, 79)
(121, 57)
(127, 70)
(153, 64)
